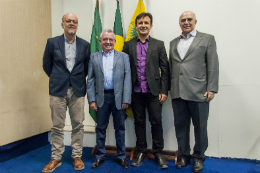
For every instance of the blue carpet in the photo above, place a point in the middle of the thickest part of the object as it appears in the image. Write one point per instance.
(36, 160)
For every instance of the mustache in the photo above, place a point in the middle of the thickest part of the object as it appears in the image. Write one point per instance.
(108, 44)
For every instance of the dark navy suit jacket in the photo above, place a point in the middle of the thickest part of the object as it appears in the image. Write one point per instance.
(54, 65)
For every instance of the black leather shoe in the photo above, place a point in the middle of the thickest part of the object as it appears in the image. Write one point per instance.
(141, 157)
(182, 163)
(162, 163)
(124, 163)
(197, 166)
(97, 163)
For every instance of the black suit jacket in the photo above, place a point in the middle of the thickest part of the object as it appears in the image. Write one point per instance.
(157, 66)
(54, 65)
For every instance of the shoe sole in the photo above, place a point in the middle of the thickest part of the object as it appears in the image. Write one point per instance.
(198, 171)
(140, 164)
(179, 167)
(53, 168)
(78, 169)
(163, 167)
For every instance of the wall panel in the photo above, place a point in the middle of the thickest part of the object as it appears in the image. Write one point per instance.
(24, 104)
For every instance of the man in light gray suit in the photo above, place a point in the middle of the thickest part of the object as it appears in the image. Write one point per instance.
(194, 82)
(109, 90)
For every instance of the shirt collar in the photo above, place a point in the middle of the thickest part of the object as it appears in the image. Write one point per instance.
(191, 34)
(67, 41)
(146, 40)
(109, 53)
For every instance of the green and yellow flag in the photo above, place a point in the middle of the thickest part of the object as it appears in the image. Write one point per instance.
(118, 30)
(94, 44)
(131, 33)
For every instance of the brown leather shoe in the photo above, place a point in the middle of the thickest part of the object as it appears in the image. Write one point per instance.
(52, 165)
(78, 164)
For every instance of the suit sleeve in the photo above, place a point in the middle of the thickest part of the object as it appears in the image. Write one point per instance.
(127, 81)
(91, 83)
(125, 48)
(212, 66)
(47, 59)
(164, 66)
(87, 59)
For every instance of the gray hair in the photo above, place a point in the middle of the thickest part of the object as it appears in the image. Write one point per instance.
(106, 30)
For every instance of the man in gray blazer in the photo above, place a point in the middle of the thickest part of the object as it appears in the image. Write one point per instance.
(194, 82)
(109, 90)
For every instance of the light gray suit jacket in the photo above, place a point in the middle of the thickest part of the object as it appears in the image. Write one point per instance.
(121, 77)
(198, 72)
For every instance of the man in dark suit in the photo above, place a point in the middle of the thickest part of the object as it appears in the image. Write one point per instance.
(149, 71)
(109, 90)
(194, 82)
(65, 61)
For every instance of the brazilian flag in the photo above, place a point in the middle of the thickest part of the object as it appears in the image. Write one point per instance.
(132, 32)
(118, 30)
(94, 44)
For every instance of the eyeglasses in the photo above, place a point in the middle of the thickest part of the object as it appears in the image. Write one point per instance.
(107, 39)
(184, 20)
(73, 21)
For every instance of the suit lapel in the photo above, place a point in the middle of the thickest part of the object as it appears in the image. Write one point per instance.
(62, 48)
(78, 46)
(133, 46)
(175, 47)
(151, 45)
(100, 60)
(194, 43)
(116, 56)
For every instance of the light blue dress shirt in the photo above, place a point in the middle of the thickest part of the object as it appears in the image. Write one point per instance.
(108, 63)
(70, 53)
(185, 43)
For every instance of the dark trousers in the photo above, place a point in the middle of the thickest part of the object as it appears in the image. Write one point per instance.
(103, 115)
(185, 111)
(141, 101)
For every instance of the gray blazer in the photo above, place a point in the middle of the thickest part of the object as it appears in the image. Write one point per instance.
(198, 72)
(121, 75)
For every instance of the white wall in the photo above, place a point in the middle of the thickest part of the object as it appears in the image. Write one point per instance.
(233, 126)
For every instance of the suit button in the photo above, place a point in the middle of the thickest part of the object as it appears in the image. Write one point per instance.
(103, 90)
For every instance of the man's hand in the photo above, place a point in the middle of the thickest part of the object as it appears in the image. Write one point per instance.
(93, 106)
(124, 105)
(210, 95)
(162, 98)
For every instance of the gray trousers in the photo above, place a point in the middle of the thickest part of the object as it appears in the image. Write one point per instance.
(58, 107)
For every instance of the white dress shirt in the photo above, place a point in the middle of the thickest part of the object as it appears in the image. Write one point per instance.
(185, 43)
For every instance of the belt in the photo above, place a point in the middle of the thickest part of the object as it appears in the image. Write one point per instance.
(109, 91)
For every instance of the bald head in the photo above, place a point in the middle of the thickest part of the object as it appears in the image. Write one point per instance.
(68, 14)
(187, 22)
(70, 25)
(188, 13)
